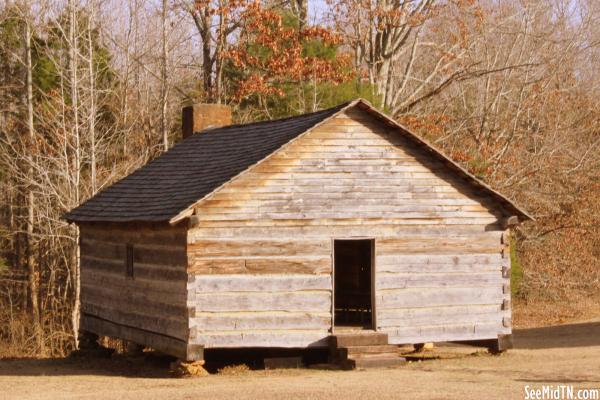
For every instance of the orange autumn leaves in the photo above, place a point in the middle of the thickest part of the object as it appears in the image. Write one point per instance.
(271, 54)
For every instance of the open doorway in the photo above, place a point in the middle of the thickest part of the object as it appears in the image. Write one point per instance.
(353, 282)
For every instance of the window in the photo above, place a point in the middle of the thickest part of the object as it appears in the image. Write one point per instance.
(129, 261)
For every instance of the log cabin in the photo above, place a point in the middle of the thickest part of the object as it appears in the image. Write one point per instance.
(337, 228)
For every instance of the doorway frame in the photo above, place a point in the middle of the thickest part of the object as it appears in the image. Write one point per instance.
(371, 239)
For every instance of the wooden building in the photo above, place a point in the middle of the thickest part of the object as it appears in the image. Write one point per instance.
(283, 233)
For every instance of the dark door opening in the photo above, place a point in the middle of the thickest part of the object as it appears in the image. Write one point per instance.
(353, 270)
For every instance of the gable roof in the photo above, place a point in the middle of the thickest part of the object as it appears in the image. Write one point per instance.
(169, 186)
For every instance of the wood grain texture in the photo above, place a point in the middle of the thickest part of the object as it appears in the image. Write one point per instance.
(438, 280)
(446, 332)
(261, 265)
(139, 302)
(399, 298)
(425, 316)
(317, 301)
(258, 283)
(269, 320)
(286, 339)
(260, 247)
(174, 327)
(116, 267)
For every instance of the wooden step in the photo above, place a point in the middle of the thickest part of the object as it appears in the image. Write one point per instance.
(364, 351)
(380, 362)
(374, 355)
(359, 339)
(376, 362)
(382, 348)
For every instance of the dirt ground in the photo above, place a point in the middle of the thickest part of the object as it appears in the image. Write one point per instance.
(558, 355)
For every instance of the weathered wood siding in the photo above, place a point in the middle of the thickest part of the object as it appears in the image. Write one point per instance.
(260, 253)
(151, 307)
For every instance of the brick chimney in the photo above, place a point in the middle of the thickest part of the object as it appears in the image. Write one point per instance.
(198, 117)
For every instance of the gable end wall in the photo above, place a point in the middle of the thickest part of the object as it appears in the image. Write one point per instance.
(260, 254)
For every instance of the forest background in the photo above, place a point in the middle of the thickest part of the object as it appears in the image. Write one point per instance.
(90, 90)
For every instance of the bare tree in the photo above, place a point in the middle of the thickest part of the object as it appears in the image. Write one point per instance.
(300, 10)
(215, 22)
(31, 261)
(164, 77)
(92, 96)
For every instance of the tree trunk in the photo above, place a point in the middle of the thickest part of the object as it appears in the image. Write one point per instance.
(33, 274)
(77, 163)
(220, 47)
(207, 60)
(92, 116)
(300, 8)
(163, 80)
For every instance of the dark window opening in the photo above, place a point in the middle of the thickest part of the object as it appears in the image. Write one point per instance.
(353, 263)
(129, 261)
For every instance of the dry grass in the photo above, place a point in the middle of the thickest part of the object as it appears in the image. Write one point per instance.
(16, 337)
(544, 311)
(234, 370)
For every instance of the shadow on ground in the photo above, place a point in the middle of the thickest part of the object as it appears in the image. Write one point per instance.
(570, 335)
(152, 366)
(139, 367)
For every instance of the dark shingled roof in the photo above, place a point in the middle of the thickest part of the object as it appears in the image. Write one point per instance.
(166, 187)
(192, 169)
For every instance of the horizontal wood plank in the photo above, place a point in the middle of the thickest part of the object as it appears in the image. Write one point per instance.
(142, 271)
(287, 339)
(139, 302)
(306, 301)
(374, 223)
(271, 265)
(163, 235)
(407, 298)
(115, 281)
(259, 283)
(259, 247)
(438, 280)
(444, 333)
(175, 327)
(327, 232)
(432, 259)
(146, 254)
(260, 321)
(425, 316)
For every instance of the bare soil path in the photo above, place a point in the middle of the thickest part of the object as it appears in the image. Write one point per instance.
(558, 355)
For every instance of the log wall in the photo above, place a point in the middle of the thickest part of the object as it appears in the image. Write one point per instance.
(149, 308)
(260, 250)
